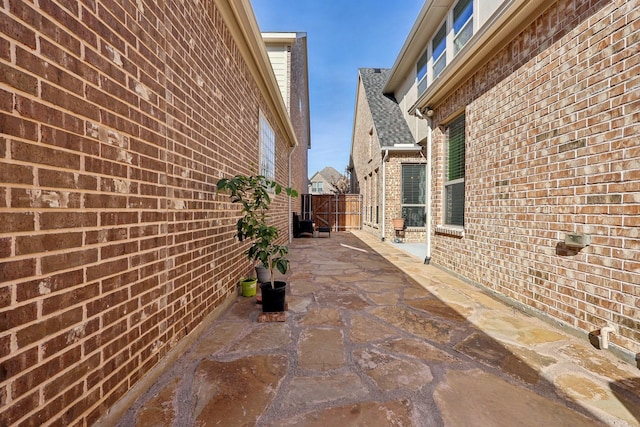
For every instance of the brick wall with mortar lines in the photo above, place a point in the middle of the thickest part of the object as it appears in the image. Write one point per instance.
(365, 156)
(393, 189)
(552, 148)
(367, 159)
(117, 119)
(298, 110)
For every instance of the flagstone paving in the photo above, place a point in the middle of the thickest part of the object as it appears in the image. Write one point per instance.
(373, 337)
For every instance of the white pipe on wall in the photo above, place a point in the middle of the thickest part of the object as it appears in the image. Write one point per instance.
(384, 192)
(290, 215)
(427, 258)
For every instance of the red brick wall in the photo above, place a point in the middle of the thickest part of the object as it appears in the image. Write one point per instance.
(393, 189)
(299, 112)
(366, 157)
(366, 160)
(116, 120)
(552, 148)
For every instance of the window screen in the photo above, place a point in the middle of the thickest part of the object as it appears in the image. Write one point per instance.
(421, 71)
(454, 179)
(462, 24)
(413, 195)
(267, 149)
(438, 48)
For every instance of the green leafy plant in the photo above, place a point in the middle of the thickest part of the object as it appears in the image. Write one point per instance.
(253, 193)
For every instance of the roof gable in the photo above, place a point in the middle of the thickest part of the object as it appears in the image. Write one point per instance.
(388, 121)
(327, 174)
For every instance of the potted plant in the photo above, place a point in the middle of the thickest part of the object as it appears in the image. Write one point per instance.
(248, 286)
(253, 193)
(398, 227)
(398, 222)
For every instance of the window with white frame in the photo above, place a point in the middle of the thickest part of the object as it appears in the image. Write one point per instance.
(454, 173)
(376, 196)
(267, 149)
(421, 71)
(413, 194)
(451, 37)
(462, 24)
(439, 50)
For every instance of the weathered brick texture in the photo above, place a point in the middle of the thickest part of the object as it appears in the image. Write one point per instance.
(299, 112)
(553, 148)
(368, 173)
(117, 118)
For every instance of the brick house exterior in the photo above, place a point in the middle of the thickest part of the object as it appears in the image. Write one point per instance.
(543, 98)
(117, 118)
(381, 144)
(288, 55)
(322, 182)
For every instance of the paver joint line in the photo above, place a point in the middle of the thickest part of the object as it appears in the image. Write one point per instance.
(363, 342)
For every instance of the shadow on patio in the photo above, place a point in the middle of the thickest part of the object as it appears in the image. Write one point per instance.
(374, 337)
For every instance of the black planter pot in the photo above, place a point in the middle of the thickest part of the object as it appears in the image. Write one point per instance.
(273, 298)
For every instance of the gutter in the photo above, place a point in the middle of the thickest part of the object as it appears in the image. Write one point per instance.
(239, 17)
(427, 115)
(289, 214)
(398, 148)
(505, 23)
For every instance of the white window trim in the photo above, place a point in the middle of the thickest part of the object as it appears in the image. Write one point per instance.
(267, 143)
(413, 205)
(445, 54)
(453, 229)
(448, 53)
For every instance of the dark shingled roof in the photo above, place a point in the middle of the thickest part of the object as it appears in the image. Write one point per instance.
(388, 120)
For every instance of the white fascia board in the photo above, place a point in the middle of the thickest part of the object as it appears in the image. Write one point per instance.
(402, 148)
(239, 17)
(493, 34)
(501, 28)
(281, 38)
(426, 24)
(355, 115)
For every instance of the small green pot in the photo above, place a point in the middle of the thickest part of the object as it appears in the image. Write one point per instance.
(248, 287)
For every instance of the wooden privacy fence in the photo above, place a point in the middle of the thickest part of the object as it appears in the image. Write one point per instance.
(340, 212)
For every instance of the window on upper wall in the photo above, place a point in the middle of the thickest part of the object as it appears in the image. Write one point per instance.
(451, 37)
(462, 24)
(267, 149)
(421, 71)
(413, 194)
(454, 173)
(439, 50)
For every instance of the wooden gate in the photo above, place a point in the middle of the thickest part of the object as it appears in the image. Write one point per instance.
(340, 212)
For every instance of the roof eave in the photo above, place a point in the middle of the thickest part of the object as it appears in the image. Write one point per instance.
(416, 41)
(283, 38)
(239, 16)
(503, 26)
(401, 148)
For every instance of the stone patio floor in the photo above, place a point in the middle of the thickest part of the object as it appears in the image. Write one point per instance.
(373, 337)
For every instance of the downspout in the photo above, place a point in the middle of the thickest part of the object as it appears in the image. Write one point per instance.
(418, 114)
(384, 192)
(427, 258)
(289, 215)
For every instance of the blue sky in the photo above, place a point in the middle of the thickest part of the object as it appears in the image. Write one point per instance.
(342, 36)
